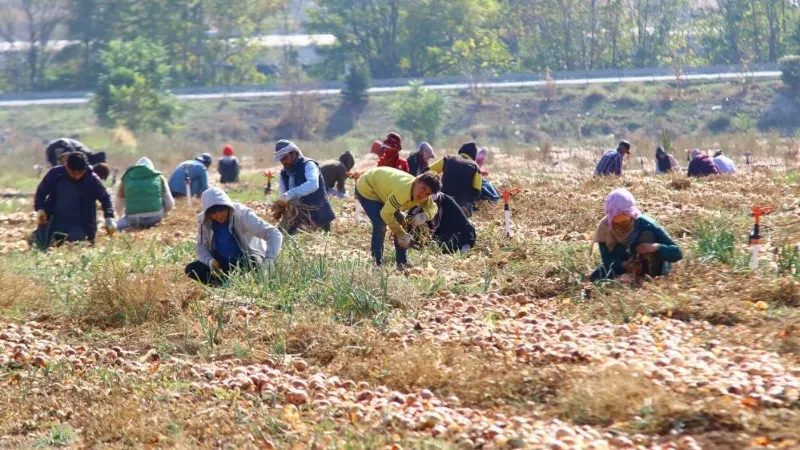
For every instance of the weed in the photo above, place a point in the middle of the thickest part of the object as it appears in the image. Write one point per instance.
(716, 242)
(59, 436)
(212, 326)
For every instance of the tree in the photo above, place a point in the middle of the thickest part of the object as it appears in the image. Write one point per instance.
(132, 88)
(419, 111)
(36, 20)
(790, 73)
(356, 85)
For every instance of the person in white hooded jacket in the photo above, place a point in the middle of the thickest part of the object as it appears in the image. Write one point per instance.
(231, 235)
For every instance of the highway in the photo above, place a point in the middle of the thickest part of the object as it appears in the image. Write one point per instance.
(397, 85)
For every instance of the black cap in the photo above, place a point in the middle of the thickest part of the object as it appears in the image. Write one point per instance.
(77, 161)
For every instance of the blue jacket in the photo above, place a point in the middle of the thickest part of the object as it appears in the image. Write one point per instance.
(92, 190)
(197, 173)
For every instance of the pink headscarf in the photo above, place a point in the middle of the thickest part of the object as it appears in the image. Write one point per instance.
(482, 154)
(620, 201)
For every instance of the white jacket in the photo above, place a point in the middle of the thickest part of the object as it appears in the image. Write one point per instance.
(253, 234)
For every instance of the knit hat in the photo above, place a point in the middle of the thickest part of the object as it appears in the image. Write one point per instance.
(621, 201)
(426, 151)
(717, 153)
(145, 161)
(696, 153)
(470, 149)
(283, 148)
(206, 159)
(77, 161)
(393, 141)
(626, 144)
(227, 151)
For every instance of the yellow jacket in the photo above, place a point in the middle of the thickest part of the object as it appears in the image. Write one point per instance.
(393, 188)
(477, 180)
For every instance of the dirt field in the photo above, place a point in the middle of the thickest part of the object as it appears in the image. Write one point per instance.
(506, 347)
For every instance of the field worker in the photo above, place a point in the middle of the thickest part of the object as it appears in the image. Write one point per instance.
(58, 150)
(196, 170)
(101, 170)
(143, 197)
(391, 153)
(228, 166)
(611, 162)
(301, 182)
(461, 176)
(384, 191)
(66, 203)
(631, 242)
(230, 236)
(418, 162)
(488, 192)
(701, 165)
(334, 172)
(450, 227)
(723, 163)
(666, 163)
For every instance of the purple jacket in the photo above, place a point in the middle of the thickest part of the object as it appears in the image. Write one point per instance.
(92, 189)
(702, 166)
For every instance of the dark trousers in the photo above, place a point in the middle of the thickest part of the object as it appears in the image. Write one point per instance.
(372, 209)
(199, 271)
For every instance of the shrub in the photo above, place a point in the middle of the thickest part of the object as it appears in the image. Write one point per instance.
(419, 111)
(790, 72)
(719, 123)
(132, 90)
(594, 98)
(356, 85)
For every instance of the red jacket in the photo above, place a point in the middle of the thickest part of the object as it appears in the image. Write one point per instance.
(399, 163)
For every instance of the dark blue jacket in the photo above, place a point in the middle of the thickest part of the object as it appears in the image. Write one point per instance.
(322, 211)
(92, 190)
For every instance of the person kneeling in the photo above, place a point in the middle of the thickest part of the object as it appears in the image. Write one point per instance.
(231, 236)
(632, 243)
(66, 204)
(450, 227)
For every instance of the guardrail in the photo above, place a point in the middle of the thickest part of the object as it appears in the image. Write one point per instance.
(401, 82)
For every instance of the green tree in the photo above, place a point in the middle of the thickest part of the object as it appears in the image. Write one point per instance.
(419, 111)
(356, 85)
(790, 73)
(132, 87)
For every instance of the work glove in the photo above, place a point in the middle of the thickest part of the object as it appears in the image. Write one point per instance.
(111, 226)
(419, 220)
(464, 249)
(285, 197)
(404, 241)
(216, 269)
(41, 217)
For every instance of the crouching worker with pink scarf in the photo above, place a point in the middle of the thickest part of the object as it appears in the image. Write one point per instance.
(631, 242)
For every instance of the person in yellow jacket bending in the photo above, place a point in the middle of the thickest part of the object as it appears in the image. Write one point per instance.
(385, 191)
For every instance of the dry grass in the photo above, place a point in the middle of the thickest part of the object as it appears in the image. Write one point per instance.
(616, 394)
(119, 297)
(20, 292)
(446, 371)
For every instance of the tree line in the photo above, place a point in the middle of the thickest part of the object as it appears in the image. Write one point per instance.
(207, 42)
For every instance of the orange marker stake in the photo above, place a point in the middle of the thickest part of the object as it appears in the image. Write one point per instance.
(507, 194)
(755, 236)
(269, 176)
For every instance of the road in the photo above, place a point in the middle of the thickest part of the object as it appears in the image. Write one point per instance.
(399, 85)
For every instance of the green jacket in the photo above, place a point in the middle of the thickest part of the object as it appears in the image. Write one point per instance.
(143, 190)
(646, 230)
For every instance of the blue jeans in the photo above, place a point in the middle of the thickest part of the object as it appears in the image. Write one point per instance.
(372, 209)
(138, 223)
(488, 192)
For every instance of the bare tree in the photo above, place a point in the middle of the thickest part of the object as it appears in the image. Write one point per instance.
(33, 22)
